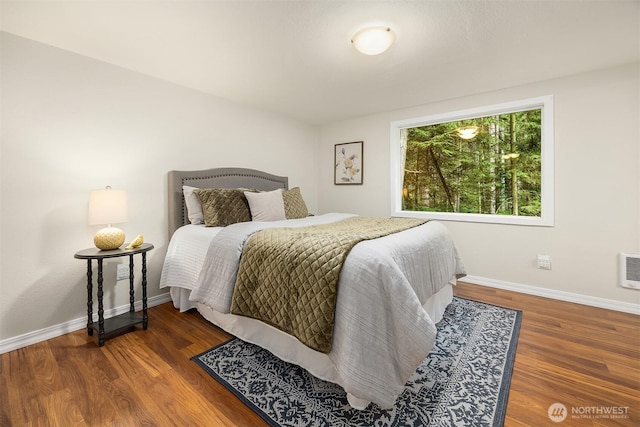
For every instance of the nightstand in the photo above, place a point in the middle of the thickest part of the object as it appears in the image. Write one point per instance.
(121, 322)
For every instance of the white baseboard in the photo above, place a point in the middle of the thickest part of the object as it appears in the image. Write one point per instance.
(29, 338)
(626, 307)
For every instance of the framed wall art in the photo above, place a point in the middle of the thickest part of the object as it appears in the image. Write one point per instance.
(348, 163)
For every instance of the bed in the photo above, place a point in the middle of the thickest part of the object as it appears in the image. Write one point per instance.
(392, 290)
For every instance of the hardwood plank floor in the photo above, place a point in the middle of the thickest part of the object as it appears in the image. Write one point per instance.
(586, 358)
(583, 357)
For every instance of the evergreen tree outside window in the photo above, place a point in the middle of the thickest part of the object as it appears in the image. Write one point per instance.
(490, 164)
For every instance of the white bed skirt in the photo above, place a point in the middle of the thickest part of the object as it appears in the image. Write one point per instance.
(287, 347)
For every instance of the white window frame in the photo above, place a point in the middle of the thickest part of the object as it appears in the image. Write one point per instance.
(546, 218)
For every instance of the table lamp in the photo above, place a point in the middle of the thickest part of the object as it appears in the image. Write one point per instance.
(108, 207)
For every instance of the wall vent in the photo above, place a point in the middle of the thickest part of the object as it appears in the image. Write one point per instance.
(629, 270)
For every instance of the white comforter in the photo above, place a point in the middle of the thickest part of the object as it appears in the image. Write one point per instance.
(381, 333)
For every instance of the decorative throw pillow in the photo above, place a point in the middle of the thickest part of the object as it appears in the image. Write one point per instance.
(194, 210)
(266, 206)
(294, 205)
(223, 206)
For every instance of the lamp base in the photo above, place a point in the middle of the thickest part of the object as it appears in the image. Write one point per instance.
(109, 238)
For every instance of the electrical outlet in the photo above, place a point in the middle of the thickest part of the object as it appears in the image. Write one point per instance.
(544, 262)
(122, 272)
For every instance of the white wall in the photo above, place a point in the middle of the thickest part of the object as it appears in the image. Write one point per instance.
(71, 124)
(597, 186)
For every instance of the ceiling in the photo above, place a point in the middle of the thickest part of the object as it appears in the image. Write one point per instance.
(295, 57)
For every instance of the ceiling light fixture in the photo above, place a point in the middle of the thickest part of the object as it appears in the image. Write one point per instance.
(373, 40)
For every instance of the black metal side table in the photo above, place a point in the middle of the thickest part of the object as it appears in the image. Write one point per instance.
(123, 321)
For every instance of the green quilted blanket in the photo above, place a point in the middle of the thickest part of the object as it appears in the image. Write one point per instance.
(288, 277)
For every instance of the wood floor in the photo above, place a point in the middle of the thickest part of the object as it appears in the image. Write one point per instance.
(585, 358)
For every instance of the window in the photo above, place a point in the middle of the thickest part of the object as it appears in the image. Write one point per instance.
(490, 164)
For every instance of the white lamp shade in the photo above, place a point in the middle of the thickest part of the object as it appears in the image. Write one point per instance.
(107, 207)
(373, 41)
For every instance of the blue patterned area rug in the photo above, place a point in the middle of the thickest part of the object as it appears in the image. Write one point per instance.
(464, 381)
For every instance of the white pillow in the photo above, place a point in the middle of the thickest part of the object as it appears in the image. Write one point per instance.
(194, 209)
(266, 206)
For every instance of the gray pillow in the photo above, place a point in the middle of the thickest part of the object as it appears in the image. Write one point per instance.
(266, 205)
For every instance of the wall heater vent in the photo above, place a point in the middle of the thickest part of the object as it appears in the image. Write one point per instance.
(630, 270)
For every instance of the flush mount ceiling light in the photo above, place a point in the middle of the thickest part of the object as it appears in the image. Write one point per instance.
(373, 40)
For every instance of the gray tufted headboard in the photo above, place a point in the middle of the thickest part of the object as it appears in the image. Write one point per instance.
(215, 178)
